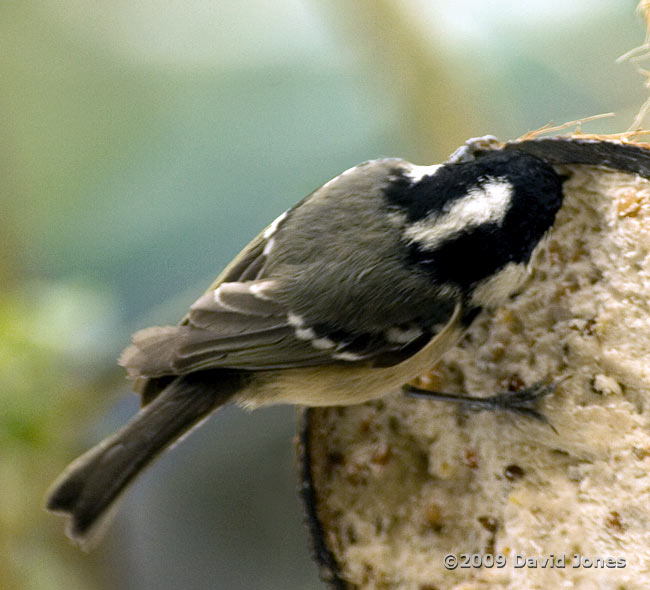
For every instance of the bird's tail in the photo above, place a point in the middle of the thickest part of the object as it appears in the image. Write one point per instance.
(90, 485)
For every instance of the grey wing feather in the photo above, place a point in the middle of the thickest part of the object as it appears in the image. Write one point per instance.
(233, 325)
(237, 324)
(247, 265)
(229, 327)
(178, 350)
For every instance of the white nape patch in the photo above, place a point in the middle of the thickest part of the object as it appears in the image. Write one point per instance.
(274, 226)
(260, 289)
(400, 336)
(497, 289)
(487, 203)
(417, 173)
(347, 356)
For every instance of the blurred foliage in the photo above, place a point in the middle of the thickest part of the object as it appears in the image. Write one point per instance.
(42, 407)
(143, 145)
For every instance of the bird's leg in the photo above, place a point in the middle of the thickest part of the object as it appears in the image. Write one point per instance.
(522, 402)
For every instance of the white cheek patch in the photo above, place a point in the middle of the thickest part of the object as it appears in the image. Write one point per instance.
(487, 203)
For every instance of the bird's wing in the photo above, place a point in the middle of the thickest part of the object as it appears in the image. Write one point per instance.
(239, 325)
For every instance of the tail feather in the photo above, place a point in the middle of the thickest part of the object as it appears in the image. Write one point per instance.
(90, 485)
(153, 351)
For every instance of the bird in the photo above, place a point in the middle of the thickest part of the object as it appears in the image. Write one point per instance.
(344, 298)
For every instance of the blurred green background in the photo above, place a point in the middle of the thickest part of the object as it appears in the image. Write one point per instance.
(143, 145)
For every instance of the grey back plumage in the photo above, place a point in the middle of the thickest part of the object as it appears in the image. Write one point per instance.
(260, 313)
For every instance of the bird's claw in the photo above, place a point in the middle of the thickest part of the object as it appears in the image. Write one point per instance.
(521, 402)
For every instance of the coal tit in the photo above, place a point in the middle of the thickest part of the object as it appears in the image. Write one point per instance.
(344, 298)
